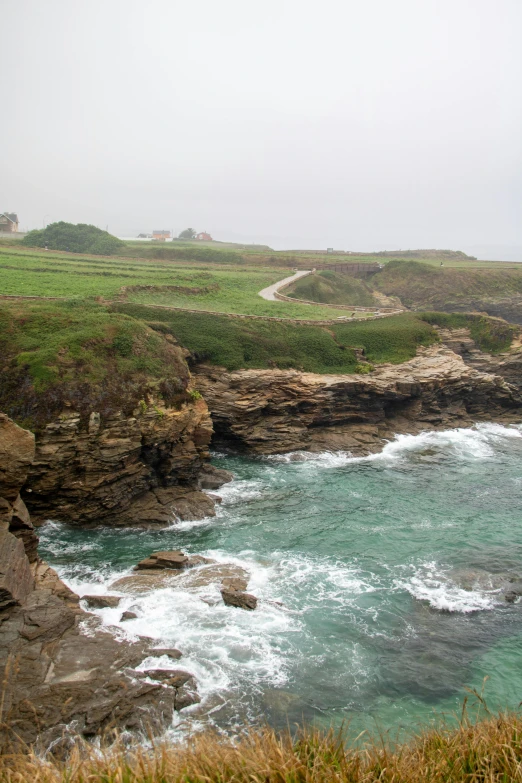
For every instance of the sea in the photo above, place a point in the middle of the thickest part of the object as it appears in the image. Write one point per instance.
(380, 581)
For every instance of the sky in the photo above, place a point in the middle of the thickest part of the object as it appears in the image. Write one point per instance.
(359, 125)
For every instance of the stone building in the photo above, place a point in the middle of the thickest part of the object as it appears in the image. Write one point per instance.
(9, 222)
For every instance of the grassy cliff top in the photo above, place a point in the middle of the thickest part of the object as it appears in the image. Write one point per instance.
(256, 344)
(59, 353)
(421, 285)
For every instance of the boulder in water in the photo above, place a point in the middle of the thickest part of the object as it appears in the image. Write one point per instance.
(128, 616)
(146, 581)
(211, 477)
(171, 652)
(239, 599)
(183, 682)
(101, 601)
(174, 559)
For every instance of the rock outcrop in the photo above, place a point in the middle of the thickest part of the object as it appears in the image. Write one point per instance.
(137, 470)
(508, 364)
(63, 674)
(277, 411)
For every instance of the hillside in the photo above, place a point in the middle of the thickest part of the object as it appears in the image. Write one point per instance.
(332, 287)
(497, 292)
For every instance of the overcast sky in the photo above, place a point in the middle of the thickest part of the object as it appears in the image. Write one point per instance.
(358, 124)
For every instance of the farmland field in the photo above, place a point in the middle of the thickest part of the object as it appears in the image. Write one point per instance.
(188, 284)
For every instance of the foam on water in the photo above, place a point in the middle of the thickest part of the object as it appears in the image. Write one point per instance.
(336, 548)
(475, 443)
(432, 584)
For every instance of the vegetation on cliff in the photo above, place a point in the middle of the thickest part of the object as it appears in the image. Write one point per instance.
(490, 334)
(55, 354)
(420, 285)
(490, 750)
(257, 344)
(332, 287)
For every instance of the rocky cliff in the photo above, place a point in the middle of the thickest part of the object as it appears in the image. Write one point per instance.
(276, 411)
(122, 469)
(63, 674)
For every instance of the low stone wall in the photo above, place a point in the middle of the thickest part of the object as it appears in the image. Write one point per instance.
(354, 308)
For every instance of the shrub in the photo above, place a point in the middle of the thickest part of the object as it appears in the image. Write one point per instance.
(79, 238)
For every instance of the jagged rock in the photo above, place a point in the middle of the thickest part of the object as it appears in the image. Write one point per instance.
(174, 677)
(125, 470)
(142, 582)
(64, 674)
(239, 599)
(211, 477)
(276, 411)
(173, 559)
(16, 577)
(128, 616)
(20, 526)
(198, 560)
(101, 601)
(16, 456)
(234, 583)
(182, 682)
(171, 652)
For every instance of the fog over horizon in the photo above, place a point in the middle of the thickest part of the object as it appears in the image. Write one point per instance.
(358, 126)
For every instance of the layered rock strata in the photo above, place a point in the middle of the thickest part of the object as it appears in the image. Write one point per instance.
(508, 364)
(124, 470)
(277, 411)
(63, 674)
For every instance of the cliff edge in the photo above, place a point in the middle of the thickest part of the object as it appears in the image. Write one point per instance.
(63, 675)
(277, 411)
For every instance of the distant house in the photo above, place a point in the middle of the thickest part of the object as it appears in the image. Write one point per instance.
(9, 222)
(161, 236)
(144, 236)
(204, 237)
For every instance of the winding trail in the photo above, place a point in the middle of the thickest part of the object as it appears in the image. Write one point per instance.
(269, 293)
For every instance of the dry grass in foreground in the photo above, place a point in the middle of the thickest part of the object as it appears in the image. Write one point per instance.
(490, 750)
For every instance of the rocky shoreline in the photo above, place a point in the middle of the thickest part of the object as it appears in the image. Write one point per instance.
(144, 469)
(66, 673)
(278, 411)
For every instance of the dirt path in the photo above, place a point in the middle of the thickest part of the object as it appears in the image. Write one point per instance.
(269, 293)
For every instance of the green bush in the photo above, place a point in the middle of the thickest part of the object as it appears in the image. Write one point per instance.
(79, 238)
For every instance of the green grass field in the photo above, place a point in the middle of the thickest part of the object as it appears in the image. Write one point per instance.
(214, 287)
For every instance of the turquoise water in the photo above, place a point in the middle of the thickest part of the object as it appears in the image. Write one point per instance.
(378, 581)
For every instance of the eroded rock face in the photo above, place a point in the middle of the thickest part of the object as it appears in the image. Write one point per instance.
(63, 673)
(138, 470)
(18, 540)
(276, 411)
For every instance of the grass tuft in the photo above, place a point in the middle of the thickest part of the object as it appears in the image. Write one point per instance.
(489, 751)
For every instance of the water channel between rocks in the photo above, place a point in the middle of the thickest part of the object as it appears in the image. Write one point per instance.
(379, 582)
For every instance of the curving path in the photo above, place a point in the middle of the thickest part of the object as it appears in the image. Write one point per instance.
(268, 293)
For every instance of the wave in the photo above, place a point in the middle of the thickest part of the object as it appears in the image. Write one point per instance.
(469, 443)
(433, 584)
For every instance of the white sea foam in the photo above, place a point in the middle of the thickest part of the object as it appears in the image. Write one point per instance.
(240, 491)
(431, 583)
(470, 443)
